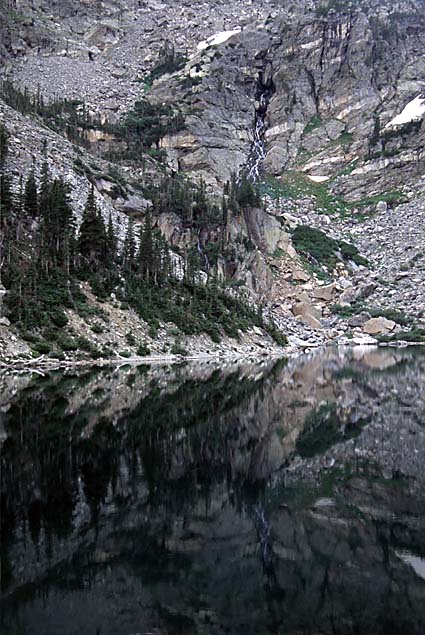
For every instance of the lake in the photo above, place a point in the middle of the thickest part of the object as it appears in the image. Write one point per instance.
(276, 498)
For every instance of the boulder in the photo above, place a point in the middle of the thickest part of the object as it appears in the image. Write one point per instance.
(379, 326)
(382, 207)
(4, 321)
(300, 276)
(313, 322)
(367, 289)
(359, 320)
(303, 309)
(132, 205)
(325, 293)
(348, 297)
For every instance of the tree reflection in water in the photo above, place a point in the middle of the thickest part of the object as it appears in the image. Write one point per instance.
(273, 498)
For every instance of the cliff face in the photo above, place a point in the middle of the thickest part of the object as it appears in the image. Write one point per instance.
(337, 83)
(323, 101)
(336, 89)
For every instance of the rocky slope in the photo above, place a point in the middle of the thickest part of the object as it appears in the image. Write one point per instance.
(311, 94)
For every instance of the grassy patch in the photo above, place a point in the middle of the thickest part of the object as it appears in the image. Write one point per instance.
(391, 314)
(323, 250)
(391, 197)
(315, 122)
(345, 138)
(414, 335)
(295, 185)
(347, 311)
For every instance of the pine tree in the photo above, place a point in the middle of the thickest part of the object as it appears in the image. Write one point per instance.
(62, 224)
(6, 197)
(146, 248)
(31, 196)
(44, 184)
(247, 193)
(129, 247)
(193, 264)
(224, 211)
(5, 181)
(112, 241)
(3, 146)
(92, 239)
(164, 258)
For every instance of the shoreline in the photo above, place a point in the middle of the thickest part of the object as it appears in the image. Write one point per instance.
(44, 363)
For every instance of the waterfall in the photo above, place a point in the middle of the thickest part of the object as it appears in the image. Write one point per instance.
(202, 255)
(257, 154)
(264, 533)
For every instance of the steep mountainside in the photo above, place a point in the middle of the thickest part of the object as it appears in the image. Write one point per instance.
(302, 123)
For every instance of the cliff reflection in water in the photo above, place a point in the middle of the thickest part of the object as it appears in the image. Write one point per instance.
(247, 499)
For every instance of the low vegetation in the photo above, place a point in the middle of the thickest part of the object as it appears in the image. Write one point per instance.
(322, 250)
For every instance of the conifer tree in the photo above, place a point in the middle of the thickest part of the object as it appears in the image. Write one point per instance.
(31, 196)
(146, 248)
(164, 258)
(6, 197)
(5, 180)
(3, 145)
(112, 240)
(62, 224)
(129, 247)
(92, 239)
(224, 211)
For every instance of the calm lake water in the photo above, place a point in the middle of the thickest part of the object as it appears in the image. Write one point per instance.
(283, 498)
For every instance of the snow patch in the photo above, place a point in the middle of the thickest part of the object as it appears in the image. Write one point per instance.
(318, 179)
(417, 563)
(218, 38)
(310, 45)
(414, 110)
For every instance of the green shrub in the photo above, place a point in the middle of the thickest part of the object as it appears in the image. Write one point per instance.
(84, 344)
(413, 336)
(314, 123)
(42, 347)
(125, 354)
(277, 335)
(143, 350)
(177, 349)
(58, 318)
(130, 339)
(67, 343)
(322, 249)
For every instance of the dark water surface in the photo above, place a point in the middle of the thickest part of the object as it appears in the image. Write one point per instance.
(251, 499)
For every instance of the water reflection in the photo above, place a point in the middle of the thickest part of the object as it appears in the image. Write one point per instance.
(273, 498)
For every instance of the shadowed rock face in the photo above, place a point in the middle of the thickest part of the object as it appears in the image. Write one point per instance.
(255, 499)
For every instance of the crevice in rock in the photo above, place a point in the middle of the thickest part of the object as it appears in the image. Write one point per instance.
(264, 92)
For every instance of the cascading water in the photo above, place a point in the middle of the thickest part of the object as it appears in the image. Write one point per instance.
(257, 155)
(264, 533)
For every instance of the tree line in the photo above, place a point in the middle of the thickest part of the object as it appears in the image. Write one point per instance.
(45, 257)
